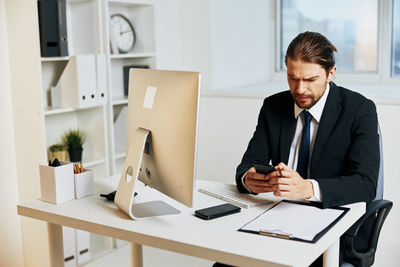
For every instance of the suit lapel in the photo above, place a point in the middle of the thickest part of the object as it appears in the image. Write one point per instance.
(330, 114)
(288, 128)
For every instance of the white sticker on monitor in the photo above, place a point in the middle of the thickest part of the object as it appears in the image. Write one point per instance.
(149, 97)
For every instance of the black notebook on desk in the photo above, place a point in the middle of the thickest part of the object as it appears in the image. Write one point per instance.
(295, 220)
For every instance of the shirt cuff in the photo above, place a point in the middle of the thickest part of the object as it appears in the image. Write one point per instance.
(244, 176)
(317, 192)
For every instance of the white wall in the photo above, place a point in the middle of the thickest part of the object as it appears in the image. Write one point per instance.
(228, 41)
(241, 42)
(389, 243)
(225, 127)
(11, 254)
(183, 36)
(168, 34)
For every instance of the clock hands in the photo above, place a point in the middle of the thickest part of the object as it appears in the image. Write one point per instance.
(124, 32)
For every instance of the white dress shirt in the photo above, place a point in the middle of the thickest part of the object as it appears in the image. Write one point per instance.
(316, 112)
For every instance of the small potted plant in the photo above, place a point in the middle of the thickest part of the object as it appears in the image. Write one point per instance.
(58, 151)
(74, 140)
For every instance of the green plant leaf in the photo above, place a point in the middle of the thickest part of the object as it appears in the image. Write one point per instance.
(74, 139)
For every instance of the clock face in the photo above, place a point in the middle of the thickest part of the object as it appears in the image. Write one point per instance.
(122, 33)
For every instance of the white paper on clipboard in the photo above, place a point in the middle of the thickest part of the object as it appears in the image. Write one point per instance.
(294, 220)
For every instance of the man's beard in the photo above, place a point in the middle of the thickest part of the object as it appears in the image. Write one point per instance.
(312, 97)
(305, 106)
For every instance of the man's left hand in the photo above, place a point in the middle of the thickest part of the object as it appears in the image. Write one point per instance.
(288, 183)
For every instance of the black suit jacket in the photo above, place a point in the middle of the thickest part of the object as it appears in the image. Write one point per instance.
(345, 157)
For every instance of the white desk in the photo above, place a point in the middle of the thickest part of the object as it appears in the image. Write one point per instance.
(215, 240)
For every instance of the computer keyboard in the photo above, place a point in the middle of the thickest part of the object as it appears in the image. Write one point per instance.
(230, 194)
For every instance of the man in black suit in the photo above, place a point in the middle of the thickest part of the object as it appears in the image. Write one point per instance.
(321, 138)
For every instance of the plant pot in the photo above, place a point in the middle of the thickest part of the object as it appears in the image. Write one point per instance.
(75, 155)
(60, 155)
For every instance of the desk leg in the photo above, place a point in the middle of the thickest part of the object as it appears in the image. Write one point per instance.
(331, 255)
(136, 255)
(55, 245)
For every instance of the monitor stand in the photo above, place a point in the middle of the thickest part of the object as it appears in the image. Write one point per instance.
(124, 198)
(152, 209)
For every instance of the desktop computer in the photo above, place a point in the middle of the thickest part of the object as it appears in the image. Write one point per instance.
(161, 139)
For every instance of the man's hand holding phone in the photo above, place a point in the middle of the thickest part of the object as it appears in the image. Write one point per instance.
(257, 178)
(281, 180)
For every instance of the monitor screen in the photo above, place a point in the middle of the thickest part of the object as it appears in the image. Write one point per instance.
(162, 136)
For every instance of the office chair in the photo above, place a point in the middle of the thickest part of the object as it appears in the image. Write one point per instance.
(377, 211)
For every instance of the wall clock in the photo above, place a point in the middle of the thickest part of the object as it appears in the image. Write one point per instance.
(122, 33)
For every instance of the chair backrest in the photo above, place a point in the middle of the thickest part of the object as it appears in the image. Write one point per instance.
(379, 209)
(379, 187)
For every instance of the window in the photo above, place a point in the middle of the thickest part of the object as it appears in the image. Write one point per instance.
(396, 39)
(352, 26)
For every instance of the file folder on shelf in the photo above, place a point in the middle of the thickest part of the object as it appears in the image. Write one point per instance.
(101, 78)
(76, 246)
(69, 245)
(82, 84)
(82, 246)
(295, 220)
(126, 75)
(53, 28)
(77, 86)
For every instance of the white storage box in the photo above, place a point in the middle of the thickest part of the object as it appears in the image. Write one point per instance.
(57, 183)
(82, 246)
(69, 246)
(83, 183)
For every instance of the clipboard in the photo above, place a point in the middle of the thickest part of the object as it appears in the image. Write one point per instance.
(295, 220)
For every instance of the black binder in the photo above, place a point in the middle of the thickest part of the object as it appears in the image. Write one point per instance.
(280, 234)
(126, 75)
(53, 28)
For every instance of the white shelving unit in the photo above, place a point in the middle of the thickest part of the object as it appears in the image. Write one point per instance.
(133, 55)
(85, 33)
(141, 15)
(106, 124)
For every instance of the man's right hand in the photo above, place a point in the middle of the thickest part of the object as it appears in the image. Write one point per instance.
(257, 182)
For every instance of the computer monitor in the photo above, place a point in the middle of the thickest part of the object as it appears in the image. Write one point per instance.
(161, 139)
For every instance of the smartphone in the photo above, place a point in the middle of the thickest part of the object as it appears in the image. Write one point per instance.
(216, 211)
(264, 169)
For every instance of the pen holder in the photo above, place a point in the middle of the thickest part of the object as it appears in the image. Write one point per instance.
(83, 183)
(57, 183)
